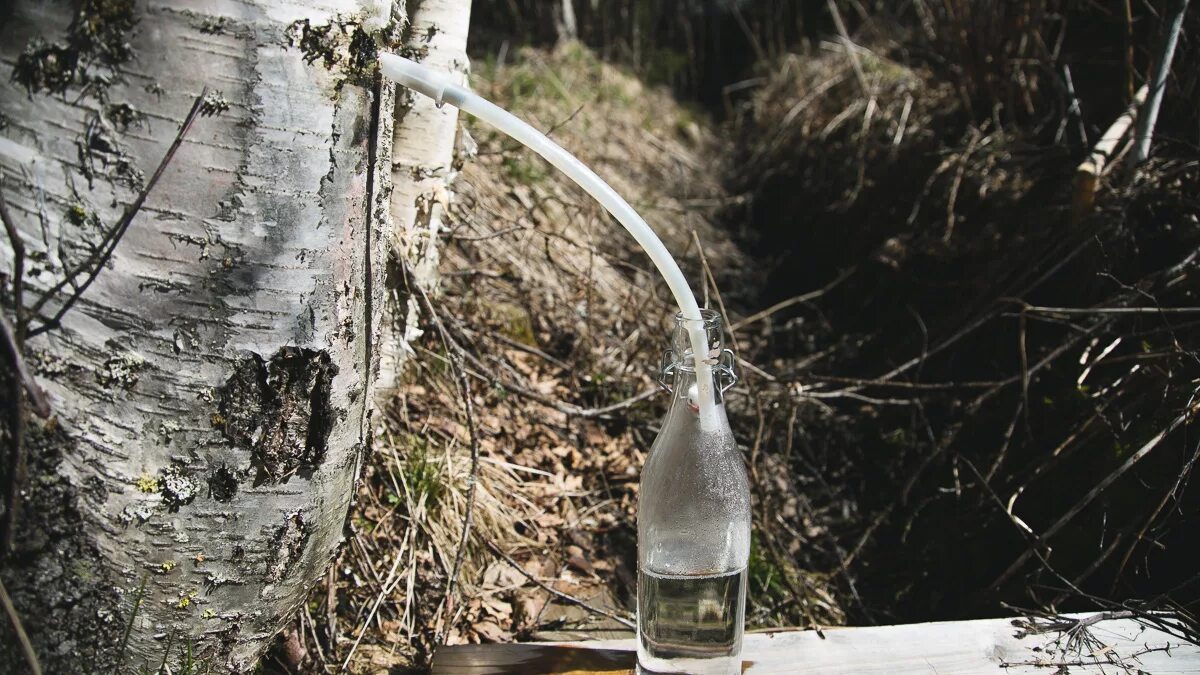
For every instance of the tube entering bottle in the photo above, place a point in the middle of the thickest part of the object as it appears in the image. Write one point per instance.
(441, 88)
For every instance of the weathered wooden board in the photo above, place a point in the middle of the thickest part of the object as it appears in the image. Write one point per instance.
(945, 648)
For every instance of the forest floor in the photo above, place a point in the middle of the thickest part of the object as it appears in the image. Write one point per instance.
(562, 321)
(943, 365)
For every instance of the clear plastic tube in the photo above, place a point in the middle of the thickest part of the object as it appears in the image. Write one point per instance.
(442, 89)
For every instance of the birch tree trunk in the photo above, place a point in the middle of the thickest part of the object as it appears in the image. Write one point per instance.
(423, 170)
(211, 391)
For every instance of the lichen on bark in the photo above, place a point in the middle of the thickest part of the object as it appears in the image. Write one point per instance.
(98, 36)
(342, 44)
(58, 580)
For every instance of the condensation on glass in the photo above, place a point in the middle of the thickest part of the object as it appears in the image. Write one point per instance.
(693, 525)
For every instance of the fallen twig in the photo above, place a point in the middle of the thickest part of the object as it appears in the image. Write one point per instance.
(1113, 310)
(99, 257)
(1133, 459)
(951, 216)
(555, 592)
(1064, 624)
(1088, 174)
(388, 586)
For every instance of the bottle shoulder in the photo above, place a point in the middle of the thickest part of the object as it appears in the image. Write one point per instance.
(695, 464)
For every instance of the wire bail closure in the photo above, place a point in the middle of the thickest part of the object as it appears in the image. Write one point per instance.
(723, 370)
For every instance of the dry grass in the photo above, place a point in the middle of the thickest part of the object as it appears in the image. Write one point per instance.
(558, 316)
(895, 225)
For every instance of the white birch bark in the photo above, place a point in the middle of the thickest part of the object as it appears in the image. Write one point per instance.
(212, 389)
(422, 172)
(565, 23)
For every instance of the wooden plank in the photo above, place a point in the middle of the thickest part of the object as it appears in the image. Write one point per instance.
(1088, 174)
(990, 646)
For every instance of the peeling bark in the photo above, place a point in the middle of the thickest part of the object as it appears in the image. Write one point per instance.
(423, 169)
(279, 411)
(212, 389)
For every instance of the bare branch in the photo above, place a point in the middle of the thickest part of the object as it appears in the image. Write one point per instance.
(12, 344)
(557, 593)
(1113, 310)
(1101, 487)
(100, 257)
(784, 304)
(18, 270)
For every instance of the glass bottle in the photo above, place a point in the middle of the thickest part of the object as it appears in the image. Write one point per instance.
(693, 525)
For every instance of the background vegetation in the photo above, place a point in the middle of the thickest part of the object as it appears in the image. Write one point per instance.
(963, 394)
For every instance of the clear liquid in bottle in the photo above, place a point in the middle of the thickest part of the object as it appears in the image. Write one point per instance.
(690, 623)
(693, 526)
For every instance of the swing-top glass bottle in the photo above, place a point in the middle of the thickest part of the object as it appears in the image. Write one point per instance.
(693, 525)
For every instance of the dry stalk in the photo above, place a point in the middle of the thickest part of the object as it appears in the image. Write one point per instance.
(1162, 68)
(31, 658)
(1133, 459)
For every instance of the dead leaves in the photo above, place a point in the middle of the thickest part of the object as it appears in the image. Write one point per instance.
(547, 297)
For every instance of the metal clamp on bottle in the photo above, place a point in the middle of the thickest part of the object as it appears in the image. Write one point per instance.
(723, 370)
(666, 370)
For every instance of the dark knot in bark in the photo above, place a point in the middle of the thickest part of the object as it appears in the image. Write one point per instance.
(279, 410)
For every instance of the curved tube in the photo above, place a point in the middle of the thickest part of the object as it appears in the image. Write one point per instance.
(442, 89)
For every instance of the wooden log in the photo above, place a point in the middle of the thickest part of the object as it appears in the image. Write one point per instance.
(945, 648)
(1088, 174)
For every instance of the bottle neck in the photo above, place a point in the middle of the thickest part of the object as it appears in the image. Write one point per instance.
(678, 370)
(684, 393)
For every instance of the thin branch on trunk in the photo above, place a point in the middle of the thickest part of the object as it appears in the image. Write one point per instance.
(100, 257)
(11, 342)
(16, 437)
(18, 269)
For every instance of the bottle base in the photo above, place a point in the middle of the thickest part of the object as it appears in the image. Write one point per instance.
(724, 665)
